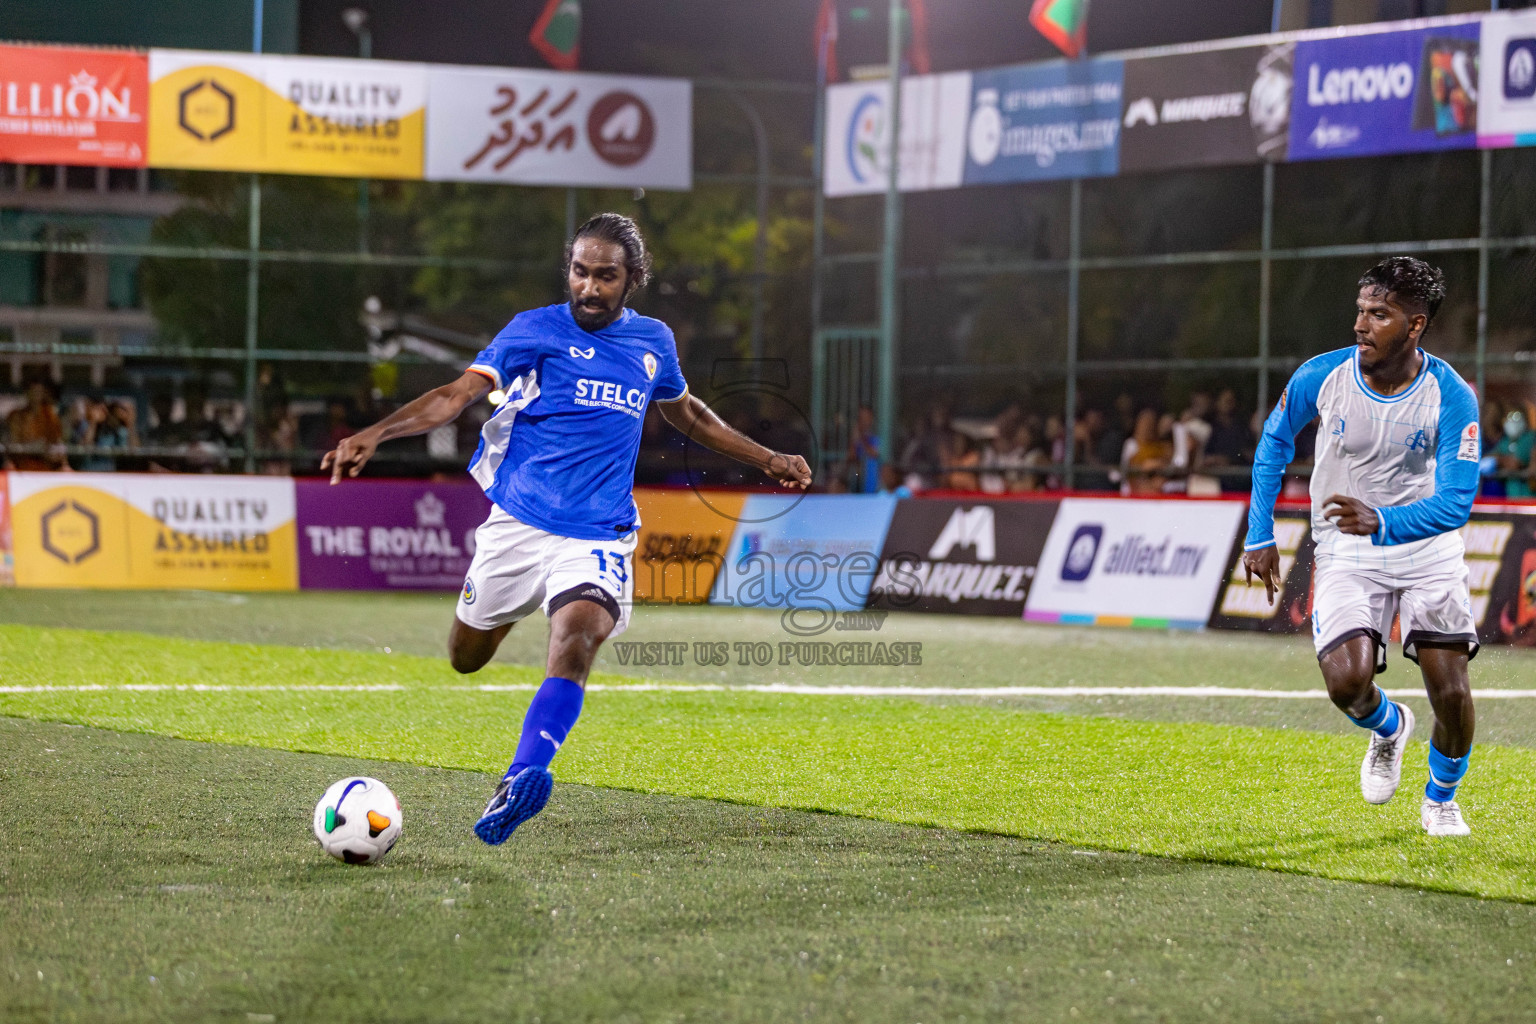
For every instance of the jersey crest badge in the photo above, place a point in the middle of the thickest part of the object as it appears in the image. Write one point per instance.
(650, 366)
(1470, 450)
(1416, 442)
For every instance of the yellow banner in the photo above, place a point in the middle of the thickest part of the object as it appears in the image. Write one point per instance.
(119, 530)
(287, 115)
(683, 539)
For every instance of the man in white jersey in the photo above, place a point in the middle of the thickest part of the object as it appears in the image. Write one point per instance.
(1392, 484)
(557, 461)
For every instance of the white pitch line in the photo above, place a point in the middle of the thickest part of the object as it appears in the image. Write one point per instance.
(787, 689)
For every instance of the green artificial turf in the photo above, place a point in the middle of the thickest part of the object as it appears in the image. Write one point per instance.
(1265, 798)
(149, 879)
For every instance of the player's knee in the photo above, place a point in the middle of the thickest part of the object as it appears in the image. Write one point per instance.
(465, 661)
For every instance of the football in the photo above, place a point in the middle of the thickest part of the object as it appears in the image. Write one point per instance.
(357, 820)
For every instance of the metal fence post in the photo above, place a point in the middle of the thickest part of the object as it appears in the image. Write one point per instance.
(1484, 224)
(1074, 272)
(252, 280)
(890, 255)
(1266, 270)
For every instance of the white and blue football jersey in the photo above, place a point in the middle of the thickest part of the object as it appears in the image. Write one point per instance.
(560, 453)
(1412, 456)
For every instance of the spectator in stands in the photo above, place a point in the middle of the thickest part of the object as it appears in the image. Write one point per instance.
(961, 460)
(892, 483)
(1145, 454)
(864, 454)
(337, 427)
(207, 446)
(37, 424)
(1513, 453)
(105, 426)
(279, 435)
(924, 453)
(1231, 442)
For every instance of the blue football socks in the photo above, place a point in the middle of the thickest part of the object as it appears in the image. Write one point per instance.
(549, 721)
(1445, 774)
(1383, 721)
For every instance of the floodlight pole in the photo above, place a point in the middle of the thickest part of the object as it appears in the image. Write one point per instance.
(252, 284)
(885, 403)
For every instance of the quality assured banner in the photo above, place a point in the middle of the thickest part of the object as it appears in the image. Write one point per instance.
(1116, 562)
(1387, 92)
(815, 552)
(1208, 108)
(121, 530)
(857, 146)
(60, 105)
(683, 539)
(387, 534)
(1507, 99)
(1045, 121)
(287, 115)
(970, 558)
(529, 127)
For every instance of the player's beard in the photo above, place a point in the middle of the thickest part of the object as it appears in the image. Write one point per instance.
(590, 318)
(1383, 355)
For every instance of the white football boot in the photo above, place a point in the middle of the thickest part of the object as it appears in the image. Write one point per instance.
(1443, 819)
(1382, 768)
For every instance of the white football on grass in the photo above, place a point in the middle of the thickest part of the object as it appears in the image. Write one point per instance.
(357, 820)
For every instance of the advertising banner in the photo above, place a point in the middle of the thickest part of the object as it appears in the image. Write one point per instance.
(120, 530)
(287, 115)
(1113, 562)
(1245, 605)
(529, 127)
(857, 145)
(1207, 108)
(818, 551)
(7, 563)
(1386, 92)
(60, 105)
(1507, 100)
(970, 558)
(1038, 122)
(387, 534)
(683, 539)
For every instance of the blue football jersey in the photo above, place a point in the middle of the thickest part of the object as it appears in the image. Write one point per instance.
(560, 453)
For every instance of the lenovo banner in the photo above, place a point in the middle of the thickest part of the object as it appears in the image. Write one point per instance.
(1038, 122)
(525, 127)
(1212, 107)
(60, 105)
(973, 558)
(1114, 562)
(1507, 99)
(1386, 92)
(857, 145)
(387, 534)
(817, 552)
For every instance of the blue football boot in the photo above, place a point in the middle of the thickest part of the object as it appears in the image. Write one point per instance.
(515, 801)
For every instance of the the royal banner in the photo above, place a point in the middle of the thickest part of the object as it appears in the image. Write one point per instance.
(1037, 122)
(387, 534)
(527, 127)
(856, 154)
(683, 539)
(61, 105)
(287, 115)
(965, 557)
(121, 530)
(1386, 92)
(1219, 106)
(1507, 99)
(1118, 562)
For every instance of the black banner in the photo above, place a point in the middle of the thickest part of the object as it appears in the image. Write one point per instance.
(1203, 109)
(1501, 578)
(966, 557)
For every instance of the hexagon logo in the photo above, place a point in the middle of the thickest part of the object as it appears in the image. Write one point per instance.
(71, 532)
(206, 110)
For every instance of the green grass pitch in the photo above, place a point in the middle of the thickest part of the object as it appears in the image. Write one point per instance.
(1069, 858)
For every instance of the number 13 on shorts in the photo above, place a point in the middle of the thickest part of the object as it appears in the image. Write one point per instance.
(612, 562)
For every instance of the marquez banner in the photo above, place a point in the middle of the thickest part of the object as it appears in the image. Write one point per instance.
(526, 127)
(1213, 107)
(120, 530)
(973, 558)
(60, 105)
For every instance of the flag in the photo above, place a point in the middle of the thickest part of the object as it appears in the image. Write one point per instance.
(826, 42)
(918, 55)
(557, 34)
(1063, 22)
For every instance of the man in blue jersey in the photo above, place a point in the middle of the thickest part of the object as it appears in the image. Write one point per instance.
(558, 463)
(1393, 481)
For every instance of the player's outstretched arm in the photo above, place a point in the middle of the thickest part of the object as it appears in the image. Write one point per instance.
(430, 411)
(690, 415)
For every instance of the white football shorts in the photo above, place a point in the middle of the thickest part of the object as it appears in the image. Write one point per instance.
(1433, 602)
(518, 568)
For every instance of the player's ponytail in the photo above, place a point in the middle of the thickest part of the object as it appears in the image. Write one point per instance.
(623, 232)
